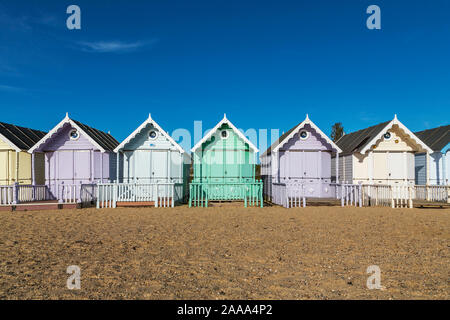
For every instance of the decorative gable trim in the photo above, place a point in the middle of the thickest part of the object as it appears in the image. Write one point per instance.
(141, 127)
(59, 126)
(395, 121)
(302, 125)
(212, 131)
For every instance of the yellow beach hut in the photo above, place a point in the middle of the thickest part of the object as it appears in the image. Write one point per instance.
(15, 161)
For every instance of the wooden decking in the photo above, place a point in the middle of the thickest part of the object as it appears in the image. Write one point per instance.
(39, 205)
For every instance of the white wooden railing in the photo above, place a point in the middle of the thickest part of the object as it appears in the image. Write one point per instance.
(6, 195)
(434, 193)
(387, 196)
(162, 194)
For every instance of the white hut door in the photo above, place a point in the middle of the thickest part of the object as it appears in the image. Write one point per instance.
(159, 159)
(396, 166)
(143, 166)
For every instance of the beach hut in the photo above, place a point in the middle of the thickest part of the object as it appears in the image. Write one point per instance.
(224, 168)
(152, 166)
(75, 155)
(298, 164)
(380, 154)
(438, 162)
(15, 161)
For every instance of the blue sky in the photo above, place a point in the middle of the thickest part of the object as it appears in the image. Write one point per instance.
(264, 63)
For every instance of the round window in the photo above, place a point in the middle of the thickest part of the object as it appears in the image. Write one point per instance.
(303, 135)
(73, 134)
(224, 134)
(387, 135)
(152, 134)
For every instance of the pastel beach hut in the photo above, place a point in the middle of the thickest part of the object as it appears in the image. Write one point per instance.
(154, 169)
(77, 157)
(437, 163)
(17, 175)
(224, 168)
(381, 154)
(15, 161)
(298, 165)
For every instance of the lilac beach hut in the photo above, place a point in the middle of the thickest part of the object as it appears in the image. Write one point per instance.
(75, 155)
(298, 165)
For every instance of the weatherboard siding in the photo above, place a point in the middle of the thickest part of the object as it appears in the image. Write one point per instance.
(224, 160)
(146, 160)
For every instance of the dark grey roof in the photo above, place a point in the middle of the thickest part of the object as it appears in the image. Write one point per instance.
(105, 140)
(355, 141)
(279, 140)
(436, 138)
(23, 138)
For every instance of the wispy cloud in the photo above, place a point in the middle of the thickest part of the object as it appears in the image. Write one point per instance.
(11, 88)
(114, 46)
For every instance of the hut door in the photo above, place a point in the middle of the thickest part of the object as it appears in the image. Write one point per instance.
(310, 165)
(82, 166)
(159, 164)
(380, 167)
(4, 170)
(231, 170)
(396, 166)
(216, 166)
(143, 166)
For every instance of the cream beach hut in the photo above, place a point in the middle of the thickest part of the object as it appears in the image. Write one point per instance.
(381, 154)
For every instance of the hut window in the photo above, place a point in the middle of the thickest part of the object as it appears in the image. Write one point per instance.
(152, 134)
(387, 136)
(224, 134)
(74, 134)
(304, 135)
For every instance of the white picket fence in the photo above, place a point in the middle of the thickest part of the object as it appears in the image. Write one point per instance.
(435, 193)
(163, 194)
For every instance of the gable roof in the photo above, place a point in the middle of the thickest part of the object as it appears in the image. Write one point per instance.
(19, 138)
(142, 126)
(355, 141)
(289, 134)
(103, 141)
(362, 140)
(212, 131)
(436, 138)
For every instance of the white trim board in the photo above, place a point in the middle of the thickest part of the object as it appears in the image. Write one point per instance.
(141, 127)
(395, 121)
(12, 145)
(301, 126)
(59, 126)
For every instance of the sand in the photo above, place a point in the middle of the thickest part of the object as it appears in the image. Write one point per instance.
(226, 252)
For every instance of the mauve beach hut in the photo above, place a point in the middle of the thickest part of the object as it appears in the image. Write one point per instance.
(438, 162)
(75, 154)
(224, 168)
(298, 165)
(152, 168)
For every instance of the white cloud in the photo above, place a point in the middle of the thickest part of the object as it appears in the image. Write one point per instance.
(114, 46)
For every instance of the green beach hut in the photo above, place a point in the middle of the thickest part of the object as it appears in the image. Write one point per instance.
(224, 168)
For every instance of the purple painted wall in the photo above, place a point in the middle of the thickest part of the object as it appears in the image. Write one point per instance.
(307, 162)
(74, 162)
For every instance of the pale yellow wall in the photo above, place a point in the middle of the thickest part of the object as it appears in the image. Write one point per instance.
(382, 163)
(8, 165)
